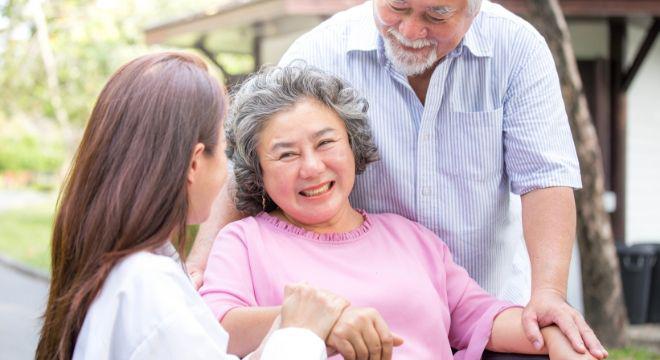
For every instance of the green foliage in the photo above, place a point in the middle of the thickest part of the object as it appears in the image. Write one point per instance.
(27, 152)
(633, 353)
(89, 39)
(25, 235)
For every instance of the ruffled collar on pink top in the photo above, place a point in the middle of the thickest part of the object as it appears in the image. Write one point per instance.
(343, 237)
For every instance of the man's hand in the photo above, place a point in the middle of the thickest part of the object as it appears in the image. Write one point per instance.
(362, 334)
(547, 307)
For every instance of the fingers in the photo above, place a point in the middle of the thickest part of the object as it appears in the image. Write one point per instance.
(345, 349)
(531, 328)
(549, 306)
(373, 342)
(310, 308)
(386, 338)
(567, 325)
(348, 337)
(362, 333)
(360, 346)
(591, 341)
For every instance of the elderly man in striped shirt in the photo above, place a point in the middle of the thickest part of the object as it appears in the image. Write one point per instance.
(467, 113)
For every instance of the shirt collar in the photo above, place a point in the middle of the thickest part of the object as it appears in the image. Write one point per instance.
(475, 41)
(167, 249)
(366, 38)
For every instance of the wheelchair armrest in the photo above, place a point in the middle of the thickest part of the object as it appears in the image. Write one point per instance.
(489, 355)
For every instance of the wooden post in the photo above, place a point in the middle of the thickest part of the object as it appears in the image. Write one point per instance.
(617, 29)
(601, 282)
(257, 41)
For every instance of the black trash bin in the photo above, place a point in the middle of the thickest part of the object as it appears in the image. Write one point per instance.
(636, 264)
(654, 302)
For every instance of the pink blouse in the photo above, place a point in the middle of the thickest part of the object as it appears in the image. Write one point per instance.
(389, 263)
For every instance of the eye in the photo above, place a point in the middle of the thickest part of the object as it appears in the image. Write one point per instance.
(435, 20)
(398, 6)
(325, 142)
(286, 155)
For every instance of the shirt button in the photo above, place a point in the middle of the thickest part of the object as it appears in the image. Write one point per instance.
(426, 191)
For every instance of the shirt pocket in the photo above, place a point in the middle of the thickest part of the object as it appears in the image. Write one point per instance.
(470, 144)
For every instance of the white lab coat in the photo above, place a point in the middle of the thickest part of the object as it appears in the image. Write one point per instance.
(148, 309)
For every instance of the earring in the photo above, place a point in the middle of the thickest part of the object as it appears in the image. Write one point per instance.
(263, 202)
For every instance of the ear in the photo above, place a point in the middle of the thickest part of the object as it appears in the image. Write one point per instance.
(195, 162)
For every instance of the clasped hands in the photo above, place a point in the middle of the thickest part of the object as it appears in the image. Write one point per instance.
(362, 334)
(354, 332)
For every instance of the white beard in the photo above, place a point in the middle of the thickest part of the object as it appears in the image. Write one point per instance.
(405, 62)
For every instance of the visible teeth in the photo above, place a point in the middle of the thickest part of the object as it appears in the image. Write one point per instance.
(318, 191)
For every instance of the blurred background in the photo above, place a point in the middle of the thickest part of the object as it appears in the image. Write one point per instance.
(56, 55)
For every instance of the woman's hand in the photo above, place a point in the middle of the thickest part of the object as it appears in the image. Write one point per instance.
(310, 308)
(560, 348)
(361, 334)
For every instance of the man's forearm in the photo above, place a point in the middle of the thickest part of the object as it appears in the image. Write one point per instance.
(549, 228)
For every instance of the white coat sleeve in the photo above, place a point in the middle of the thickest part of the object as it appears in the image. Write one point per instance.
(294, 344)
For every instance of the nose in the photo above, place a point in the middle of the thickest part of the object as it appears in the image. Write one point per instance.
(412, 29)
(312, 166)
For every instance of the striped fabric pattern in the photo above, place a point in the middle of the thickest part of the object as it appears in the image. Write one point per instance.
(493, 127)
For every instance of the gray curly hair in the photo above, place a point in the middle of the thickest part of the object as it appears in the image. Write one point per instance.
(276, 89)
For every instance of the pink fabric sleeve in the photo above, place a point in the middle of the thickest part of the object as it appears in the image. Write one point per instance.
(472, 309)
(228, 279)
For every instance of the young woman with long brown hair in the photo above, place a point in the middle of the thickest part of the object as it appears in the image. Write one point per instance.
(150, 162)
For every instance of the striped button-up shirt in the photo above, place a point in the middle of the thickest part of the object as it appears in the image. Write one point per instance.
(493, 127)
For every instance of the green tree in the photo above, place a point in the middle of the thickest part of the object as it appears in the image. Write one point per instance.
(56, 55)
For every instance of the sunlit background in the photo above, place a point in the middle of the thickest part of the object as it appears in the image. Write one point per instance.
(56, 55)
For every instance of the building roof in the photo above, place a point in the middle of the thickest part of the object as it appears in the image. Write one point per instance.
(594, 8)
(244, 13)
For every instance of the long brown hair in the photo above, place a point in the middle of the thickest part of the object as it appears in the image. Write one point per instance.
(126, 191)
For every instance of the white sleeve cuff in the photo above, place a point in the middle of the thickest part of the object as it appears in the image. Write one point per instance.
(294, 344)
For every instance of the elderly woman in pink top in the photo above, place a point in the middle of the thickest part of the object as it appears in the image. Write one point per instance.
(297, 138)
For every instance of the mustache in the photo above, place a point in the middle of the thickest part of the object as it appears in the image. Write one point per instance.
(415, 44)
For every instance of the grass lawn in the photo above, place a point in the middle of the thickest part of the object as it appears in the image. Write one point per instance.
(630, 353)
(25, 234)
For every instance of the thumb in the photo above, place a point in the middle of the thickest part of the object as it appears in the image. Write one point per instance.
(397, 340)
(531, 328)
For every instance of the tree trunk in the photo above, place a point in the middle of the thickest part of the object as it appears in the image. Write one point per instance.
(35, 8)
(601, 280)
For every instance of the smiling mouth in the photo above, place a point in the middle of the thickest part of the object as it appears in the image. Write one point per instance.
(414, 48)
(318, 191)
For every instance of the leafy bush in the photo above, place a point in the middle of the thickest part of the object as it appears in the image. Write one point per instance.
(26, 152)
